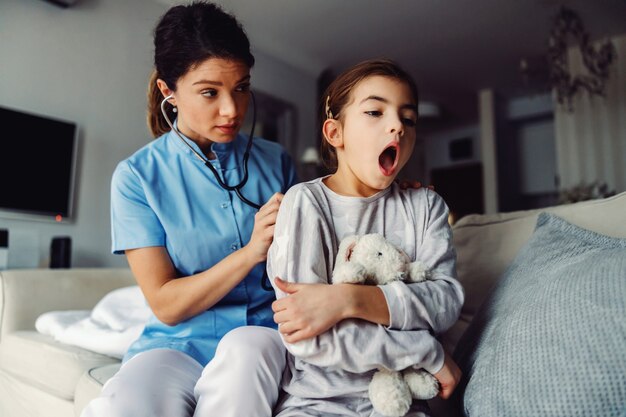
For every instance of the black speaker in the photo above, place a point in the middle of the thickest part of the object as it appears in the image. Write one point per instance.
(61, 252)
(4, 249)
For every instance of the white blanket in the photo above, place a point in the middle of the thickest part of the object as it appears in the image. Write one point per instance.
(113, 324)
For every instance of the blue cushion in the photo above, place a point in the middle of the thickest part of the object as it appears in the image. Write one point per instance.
(551, 338)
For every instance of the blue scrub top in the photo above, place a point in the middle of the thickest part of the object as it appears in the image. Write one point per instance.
(163, 195)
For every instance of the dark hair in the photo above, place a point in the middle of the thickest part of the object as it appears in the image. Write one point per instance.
(338, 95)
(185, 36)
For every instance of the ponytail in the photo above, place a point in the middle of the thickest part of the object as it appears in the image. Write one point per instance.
(155, 120)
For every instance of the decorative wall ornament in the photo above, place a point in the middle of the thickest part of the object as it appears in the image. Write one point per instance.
(597, 62)
(590, 141)
(584, 192)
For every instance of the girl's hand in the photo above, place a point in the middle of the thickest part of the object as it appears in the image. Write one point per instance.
(448, 377)
(308, 310)
(263, 232)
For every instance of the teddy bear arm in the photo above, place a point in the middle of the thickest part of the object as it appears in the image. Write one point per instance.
(423, 385)
(389, 393)
(418, 272)
(349, 273)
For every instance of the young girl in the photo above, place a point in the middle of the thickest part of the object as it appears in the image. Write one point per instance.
(337, 335)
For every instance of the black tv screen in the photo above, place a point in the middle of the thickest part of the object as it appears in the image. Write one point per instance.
(37, 165)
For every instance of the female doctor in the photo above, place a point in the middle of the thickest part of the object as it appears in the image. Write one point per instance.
(185, 211)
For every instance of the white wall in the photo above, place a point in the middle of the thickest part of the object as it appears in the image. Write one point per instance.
(90, 64)
(532, 121)
(537, 157)
(283, 81)
(438, 147)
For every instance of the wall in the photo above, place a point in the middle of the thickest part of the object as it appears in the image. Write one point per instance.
(524, 146)
(438, 146)
(526, 153)
(455, 176)
(90, 64)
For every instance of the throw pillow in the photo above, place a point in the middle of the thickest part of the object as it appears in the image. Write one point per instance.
(551, 338)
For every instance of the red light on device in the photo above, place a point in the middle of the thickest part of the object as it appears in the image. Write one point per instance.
(58, 217)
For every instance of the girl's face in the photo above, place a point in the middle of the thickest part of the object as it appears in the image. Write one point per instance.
(212, 99)
(375, 137)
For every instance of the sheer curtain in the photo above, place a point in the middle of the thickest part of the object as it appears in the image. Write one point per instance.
(591, 140)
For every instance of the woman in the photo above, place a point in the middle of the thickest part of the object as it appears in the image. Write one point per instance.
(197, 250)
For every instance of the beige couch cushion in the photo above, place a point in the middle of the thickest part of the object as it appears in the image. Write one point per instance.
(90, 385)
(21, 399)
(486, 245)
(25, 294)
(46, 364)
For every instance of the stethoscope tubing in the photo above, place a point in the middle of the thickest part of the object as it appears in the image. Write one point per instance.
(236, 188)
(265, 284)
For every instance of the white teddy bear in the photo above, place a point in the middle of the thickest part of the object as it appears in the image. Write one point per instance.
(371, 259)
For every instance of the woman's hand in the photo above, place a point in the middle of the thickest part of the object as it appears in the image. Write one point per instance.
(448, 377)
(308, 310)
(404, 184)
(263, 232)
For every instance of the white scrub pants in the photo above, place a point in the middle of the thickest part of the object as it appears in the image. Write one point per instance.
(243, 379)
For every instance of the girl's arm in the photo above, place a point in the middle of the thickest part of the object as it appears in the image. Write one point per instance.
(300, 250)
(312, 309)
(448, 376)
(359, 346)
(434, 304)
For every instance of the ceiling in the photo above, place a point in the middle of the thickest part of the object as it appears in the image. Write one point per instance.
(453, 48)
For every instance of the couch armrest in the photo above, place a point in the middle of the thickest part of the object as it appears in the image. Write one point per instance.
(25, 294)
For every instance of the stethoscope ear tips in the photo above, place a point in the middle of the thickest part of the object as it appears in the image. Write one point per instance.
(167, 99)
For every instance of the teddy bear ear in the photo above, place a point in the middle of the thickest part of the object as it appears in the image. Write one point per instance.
(349, 251)
(347, 246)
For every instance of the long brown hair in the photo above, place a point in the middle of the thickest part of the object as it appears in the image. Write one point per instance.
(338, 95)
(156, 122)
(185, 36)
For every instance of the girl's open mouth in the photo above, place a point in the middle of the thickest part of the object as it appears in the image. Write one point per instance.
(388, 159)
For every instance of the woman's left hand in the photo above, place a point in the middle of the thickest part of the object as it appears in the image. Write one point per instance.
(308, 310)
(404, 184)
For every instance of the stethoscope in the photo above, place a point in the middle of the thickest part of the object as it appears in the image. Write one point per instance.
(236, 188)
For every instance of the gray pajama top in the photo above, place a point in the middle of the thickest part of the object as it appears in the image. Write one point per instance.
(340, 362)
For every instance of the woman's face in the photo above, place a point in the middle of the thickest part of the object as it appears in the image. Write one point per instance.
(212, 99)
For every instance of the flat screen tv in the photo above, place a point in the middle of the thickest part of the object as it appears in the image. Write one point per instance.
(37, 166)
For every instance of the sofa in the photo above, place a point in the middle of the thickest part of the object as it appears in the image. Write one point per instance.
(42, 377)
(39, 376)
